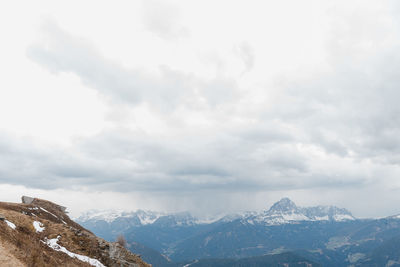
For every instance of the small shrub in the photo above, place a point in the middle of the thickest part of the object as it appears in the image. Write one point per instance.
(121, 240)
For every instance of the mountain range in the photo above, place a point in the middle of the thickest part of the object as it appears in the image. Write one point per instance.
(282, 212)
(326, 235)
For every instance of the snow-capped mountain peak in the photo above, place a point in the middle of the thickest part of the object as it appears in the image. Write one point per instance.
(285, 205)
(285, 211)
(109, 216)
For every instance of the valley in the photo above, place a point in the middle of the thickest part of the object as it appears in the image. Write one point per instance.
(325, 235)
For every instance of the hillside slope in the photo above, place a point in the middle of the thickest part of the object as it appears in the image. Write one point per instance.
(42, 234)
(278, 260)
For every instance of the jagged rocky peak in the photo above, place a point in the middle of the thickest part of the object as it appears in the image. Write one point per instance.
(286, 211)
(287, 206)
(284, 205)
(328, 213)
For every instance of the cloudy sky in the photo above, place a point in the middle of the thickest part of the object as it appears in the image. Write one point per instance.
(208, 106)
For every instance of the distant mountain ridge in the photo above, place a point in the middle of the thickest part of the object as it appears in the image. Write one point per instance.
(182, 237)
(327, 235)
(282, 212)
(144, 217)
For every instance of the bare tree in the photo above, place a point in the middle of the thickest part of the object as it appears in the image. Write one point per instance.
(121, 240)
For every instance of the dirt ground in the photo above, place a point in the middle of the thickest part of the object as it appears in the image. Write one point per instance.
(7, 259)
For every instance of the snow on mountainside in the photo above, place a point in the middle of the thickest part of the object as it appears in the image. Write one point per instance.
(327, 213)
(177, 219)
(283, 211)
(286, 211)
(144, 217)
(141, 218)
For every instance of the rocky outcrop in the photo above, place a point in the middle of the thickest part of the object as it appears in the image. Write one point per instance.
(40, 233)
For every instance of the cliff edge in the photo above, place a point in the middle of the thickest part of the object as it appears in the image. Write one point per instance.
(38, 232)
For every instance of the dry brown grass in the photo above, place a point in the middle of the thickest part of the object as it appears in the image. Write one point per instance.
(26, 245)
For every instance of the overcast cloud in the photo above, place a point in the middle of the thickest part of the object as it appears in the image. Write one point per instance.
(210, 107)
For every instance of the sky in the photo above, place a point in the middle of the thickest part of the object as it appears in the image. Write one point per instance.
(207, 106)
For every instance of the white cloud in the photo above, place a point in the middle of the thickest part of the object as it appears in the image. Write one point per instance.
(162, 18)
(175, 101)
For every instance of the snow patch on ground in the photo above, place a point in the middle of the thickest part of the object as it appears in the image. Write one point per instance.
(52, 243)
(10, 224)
(38, 226)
